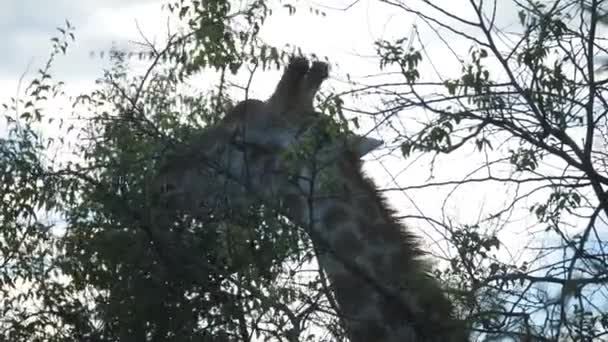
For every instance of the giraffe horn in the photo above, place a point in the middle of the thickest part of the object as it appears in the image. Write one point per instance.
(288, 88)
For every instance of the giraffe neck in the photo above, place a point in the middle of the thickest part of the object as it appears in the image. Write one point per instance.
(382, 286)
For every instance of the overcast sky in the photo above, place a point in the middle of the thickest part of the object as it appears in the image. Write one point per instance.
(26, 27)
(347, 37)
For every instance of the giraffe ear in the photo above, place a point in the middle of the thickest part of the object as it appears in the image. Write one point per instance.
(364, 145)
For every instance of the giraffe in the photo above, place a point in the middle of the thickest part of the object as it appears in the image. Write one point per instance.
(280, 152)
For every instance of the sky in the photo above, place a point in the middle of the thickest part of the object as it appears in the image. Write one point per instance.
(346, 37)
(26, 27)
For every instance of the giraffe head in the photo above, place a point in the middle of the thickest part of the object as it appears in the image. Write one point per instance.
(283, 153)
(260, 148)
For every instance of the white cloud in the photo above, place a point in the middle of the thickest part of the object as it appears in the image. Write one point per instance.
(27, 26)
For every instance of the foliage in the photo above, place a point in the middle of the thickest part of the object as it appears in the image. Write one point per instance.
(114, 264)
(88, 253)
(533, 106)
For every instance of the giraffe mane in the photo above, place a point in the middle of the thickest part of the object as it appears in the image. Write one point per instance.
(415, 259)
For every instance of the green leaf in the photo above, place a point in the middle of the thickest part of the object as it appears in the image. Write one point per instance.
(522, 17)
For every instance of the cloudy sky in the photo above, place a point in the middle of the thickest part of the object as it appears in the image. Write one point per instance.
(26, 27)
(347, 37)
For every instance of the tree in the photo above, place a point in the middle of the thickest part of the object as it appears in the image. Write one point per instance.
(88, 253)
(114, 264)
(530, 100)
